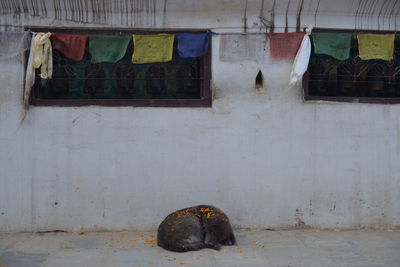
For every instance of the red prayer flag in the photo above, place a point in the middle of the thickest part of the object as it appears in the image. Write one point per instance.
(71, 45)
(285, 45)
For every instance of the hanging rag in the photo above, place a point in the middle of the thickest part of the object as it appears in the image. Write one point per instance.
(376, 46)
(40, 56)
(239, 47)
(336, 45)
(152, 48)
(300, 63)
(108, 48)
(71, 45)
(284, 45)
(192, 44)
(43, 55)
(29, 78)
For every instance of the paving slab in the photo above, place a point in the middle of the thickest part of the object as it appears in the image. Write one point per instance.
(306, 248)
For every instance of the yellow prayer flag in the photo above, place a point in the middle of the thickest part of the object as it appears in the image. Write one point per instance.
(152, 48)
(376, 46)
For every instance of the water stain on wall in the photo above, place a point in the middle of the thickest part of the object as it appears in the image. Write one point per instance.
(298, 18)
(384, 13)
(133, 13)
(150, 13)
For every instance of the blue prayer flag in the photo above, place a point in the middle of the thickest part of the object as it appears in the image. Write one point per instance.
(192, 44)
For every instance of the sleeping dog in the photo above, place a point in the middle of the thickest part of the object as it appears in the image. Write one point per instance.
(195, 228)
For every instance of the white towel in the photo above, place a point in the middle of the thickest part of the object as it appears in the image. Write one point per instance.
(40, 56)
(301, 60)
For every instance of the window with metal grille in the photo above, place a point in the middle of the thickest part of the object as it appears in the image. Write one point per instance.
(353, 80)
(182, 82)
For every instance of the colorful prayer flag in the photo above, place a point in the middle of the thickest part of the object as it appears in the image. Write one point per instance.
(108, 48)
(71, 45)
(336, 45)
(376, 46)
(285, 45)
(238, 47)
(151, 48)
(192, 44)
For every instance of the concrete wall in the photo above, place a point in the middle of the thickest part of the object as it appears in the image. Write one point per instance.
(215, 14)
(267, 159)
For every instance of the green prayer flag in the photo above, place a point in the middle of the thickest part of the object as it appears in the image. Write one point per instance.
(108, 48)
(336, 45)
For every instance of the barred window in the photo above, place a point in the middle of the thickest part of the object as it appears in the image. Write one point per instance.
(353, 79)
(181, 82)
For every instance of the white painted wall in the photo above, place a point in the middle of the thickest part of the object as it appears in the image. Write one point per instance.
(267, 159)
(216, 14)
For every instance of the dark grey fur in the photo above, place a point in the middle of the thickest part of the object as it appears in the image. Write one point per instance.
(195, 228)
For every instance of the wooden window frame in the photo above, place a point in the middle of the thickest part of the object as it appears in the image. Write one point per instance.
(205, 99)
(371, 100)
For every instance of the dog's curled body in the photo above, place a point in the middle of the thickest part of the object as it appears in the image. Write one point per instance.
(195, 228)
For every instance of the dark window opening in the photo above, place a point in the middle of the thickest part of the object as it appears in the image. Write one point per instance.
(155, 82)
(353, 80)
(124, 77)
(181, 82)
(186, 83)
(259, 81)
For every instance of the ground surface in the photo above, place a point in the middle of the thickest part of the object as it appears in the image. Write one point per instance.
(256, 248)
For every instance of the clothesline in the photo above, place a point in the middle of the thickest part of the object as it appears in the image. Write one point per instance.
(242, 33)
(234, 46)
(213, 33)
(238, 33)
(333, 44)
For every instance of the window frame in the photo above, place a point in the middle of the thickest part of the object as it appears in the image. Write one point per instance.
(205, 99)
(347, 99)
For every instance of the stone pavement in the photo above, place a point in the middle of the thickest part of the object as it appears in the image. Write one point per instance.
(306, 248)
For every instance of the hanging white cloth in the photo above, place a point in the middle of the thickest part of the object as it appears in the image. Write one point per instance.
(301, 60)
(40, 56)
(29, 76)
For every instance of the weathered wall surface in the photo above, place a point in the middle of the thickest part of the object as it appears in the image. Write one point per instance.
(220, 14)
(267, 159)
